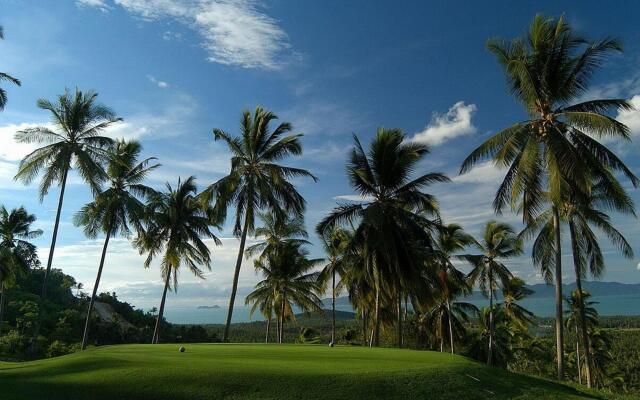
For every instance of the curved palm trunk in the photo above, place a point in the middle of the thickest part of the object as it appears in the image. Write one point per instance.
(375, 337)
(583, 320)
(85, 335)
(490, 353)
(236, 275)
(450, 325)
(54, 237)
(364, 327)
(333, 307)
(558, 279)
(156, 331)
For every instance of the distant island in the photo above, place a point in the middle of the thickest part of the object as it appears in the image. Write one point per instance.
(208, 307)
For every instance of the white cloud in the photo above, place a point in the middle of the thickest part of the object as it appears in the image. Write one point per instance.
(638, 267)
(354, 197)
(485, 172)
(234, 32)
(631, 118)
(100, 4)
(12, 150)
(159, 83)
(456, 122)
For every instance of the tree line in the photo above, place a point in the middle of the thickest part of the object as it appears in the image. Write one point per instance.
(391, 252)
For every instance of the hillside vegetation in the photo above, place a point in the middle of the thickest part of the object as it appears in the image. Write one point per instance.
(237, 371)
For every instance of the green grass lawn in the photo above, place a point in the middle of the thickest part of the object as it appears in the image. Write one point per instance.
(238, 371)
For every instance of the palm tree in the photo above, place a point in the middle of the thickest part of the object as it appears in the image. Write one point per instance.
(176, 222)
(499, 242)
(580, 211)
(289, 281)
(335, 243)
(514, 291)
(277, 231)
(75, 142)
(5, 77)
(450, 240)
(394, 231)
(547, 71)
(580, 311)
(256, 182)
(17, 254)
(454, 314)
(115, 209)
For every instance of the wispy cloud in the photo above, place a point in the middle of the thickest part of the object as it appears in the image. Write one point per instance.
(455, 122)
(485, 172)
(354, 197)
(157, 82)
(99, 4)
(234, 32)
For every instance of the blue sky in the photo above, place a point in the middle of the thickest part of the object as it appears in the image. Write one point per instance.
(176, 69)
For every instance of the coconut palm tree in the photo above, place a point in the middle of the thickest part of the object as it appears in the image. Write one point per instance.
(17, 254)
(450, 239)
(580, 310)
(175, 223)
(548, 70)
(289, 279)
(335, 243)
(275, 232)
(396, 218)
(514, 291)
(73, 141)
(581, 212)
(452, 314)
(499, 243)
(118, 208)
(256, 181)
(5, 77)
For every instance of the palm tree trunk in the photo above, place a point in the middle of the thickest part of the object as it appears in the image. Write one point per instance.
(282, 309)
(399, 321)
(583, 318)
(558, 278)
(364, 327)
(156, 331)
(333, 306)
(236, 275)
(578, 356)
(85, 335)
(54, 237)
(450, 324)
(266, 337)
(2, 290)
(375, 337)
(490, 353)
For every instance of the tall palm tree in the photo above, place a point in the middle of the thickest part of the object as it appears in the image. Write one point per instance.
(120, 206)
(581, 311)
(5, 77)
(514, 291)
(335, 243)
(175, 222)
(547, 71)
(451, 239)
(499, 242)
(17, 254)
(394, 230)
(581, 211)
(73, 142)
(256, 181)
(289, 279)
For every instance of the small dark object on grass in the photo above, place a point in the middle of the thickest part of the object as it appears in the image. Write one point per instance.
(331, 344)
(181, 349)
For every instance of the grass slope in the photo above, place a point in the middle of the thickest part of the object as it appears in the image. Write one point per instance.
(238, 371)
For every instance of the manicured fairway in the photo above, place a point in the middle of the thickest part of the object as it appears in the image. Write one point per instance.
(237, 371)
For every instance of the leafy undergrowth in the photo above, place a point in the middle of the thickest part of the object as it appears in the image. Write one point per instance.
(238, 371)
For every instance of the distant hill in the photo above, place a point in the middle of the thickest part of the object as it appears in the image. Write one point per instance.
(542, 290)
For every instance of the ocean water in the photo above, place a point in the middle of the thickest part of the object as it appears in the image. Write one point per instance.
(543, 307)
